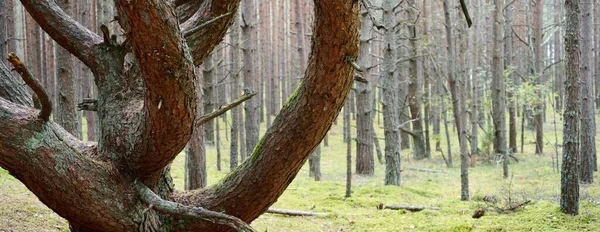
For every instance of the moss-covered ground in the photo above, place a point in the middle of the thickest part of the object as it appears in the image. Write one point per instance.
(532, 178)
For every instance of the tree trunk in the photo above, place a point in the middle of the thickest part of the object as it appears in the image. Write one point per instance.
(147, 113)
(252, 118)
(4, 17)
(236, 114)
(209, 94)
(588, 126)
(569, 178)
(315, 164)
(458, 104)
(348, 150)
(415, 87)
(498, 88)
(558, 71)
(66, 113)
(389, 100)
(508, 59)
(365, 159)
(537, 49)
(596, 68)
(195, 157)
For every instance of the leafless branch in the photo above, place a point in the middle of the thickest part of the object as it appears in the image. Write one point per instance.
(34, 84)
(465, 11)
(67, 32)
(369, 6)
(197, 28)
(224, 108)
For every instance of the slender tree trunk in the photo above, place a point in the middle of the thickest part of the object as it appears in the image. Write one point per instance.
(508, 59)
(348, 150)
(458, 104)
(596, 55)
(195, 157)
(249, 55)
(537, 48)
(415, 87)
(236, 122)
(209, 94)
(389, 99)
(315, 164)
(558, 71)
(569, 180)
(426, 79)
(66, 113)
(365, 160)
(596, 68)
(4, 17)
(588, 126)
(498, 88)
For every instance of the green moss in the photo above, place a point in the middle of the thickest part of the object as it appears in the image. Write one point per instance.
(532, 178)
(293, 96)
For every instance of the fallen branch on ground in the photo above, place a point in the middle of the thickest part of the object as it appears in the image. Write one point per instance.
(290, 212)
(411, 208)
(426, 170)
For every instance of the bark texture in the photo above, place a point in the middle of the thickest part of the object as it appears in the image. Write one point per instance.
(147, 109)
(66, 110)
(588, 124)
(537, 50)
(389, 100)
(458, 106)
(569, 178)
(365, 159)
(498, 87)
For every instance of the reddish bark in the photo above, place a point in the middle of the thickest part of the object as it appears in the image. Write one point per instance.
(147, 109)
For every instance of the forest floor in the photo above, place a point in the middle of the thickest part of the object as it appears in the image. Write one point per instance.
(531, 179)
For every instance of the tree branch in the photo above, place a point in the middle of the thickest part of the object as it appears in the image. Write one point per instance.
(299, 127)
(168, 80)
(368, 6)
(67, 32)
(224, 108)
(48, 160)
(173, 208)
(34, 84)
(465, 11)
(203, 40)
(12, 88)
(205, 24)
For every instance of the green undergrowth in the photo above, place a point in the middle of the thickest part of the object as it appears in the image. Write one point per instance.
(532, 179)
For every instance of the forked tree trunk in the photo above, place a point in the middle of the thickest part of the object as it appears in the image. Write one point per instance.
(569, 178)
(147, 109)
